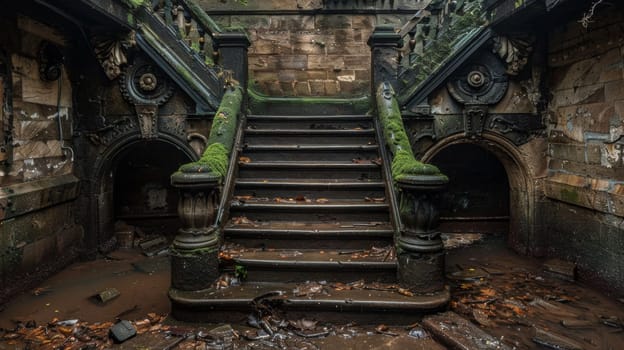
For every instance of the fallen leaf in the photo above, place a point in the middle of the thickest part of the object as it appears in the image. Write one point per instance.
(321, 200)
(405, 292)
(244, 159)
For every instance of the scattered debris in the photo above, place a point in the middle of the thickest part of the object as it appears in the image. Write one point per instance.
(158, 245)
(122, 331)
(375, 199)
(41, 291)
(560, 269)
(576, 324)
(309, 288)
(243, 220)
(459, 333)
(106, 295)
(458, 240)
(244, 160)
(553, 340)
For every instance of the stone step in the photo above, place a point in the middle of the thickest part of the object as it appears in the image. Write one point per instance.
(298, 265)
(310, 122)
(314, 170)
(310, 152)
(309, 190)
(335, 210)
(309, 136)
(363, 306)
(317, 235)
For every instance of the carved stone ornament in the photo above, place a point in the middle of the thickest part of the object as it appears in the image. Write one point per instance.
(480, 81)
(474, 119)
(514, 51)
(144, 83)
(111, 52)
(147, 115)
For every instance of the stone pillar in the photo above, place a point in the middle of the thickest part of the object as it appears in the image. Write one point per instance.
(384, 56)
(420, 250)
(195, 250)
(233, 54)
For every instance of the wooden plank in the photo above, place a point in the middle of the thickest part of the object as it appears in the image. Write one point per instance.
(459, 333)
(35, 90)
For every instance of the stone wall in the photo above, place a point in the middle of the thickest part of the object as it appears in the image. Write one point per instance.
(310, 48)
(38, 188)
(585, 221)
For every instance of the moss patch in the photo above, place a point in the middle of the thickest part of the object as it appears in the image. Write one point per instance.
(133, 4)
(404, 164)
(403, 161)
(216, 157)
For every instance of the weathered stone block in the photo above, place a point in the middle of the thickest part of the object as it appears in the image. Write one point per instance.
(614, 90)
(317, 87)
(582, 95)
(362, 22)
(332, 21)
(332, 88)
(302, 88)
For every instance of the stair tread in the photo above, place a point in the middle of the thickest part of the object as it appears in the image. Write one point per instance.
(310, 147)
(308, 164)
(313, 227)
(298, 131)
(369, 258)
(305, 182)
(332, 204)
(309, 117)
(354, 299)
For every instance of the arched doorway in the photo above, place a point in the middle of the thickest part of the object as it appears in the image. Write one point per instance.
(502, 168)
(142, 193)
(131, 183)
(477, 198)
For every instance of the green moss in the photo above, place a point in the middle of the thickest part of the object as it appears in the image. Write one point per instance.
(570, 196)
(133, 4)
(216, 157)
(441, 45)
(404, 163)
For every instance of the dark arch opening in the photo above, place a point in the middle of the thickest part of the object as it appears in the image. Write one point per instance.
(478, 196)
(142, 193)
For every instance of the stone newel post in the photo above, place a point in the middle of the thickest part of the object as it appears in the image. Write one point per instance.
(195, 251)
(384, 42)
(420, 248)
(233, 51)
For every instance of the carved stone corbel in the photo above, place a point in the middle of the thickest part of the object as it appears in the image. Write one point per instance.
(111, 52)
(514, 51)
(147, 115)
(474, 119)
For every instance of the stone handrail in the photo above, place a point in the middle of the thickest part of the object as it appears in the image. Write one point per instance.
(420, 251)
(195, 263)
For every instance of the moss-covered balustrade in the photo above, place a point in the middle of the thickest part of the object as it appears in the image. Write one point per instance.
(420, 250)
(195, 261)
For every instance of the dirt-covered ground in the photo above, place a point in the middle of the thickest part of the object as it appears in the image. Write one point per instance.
(508, 296)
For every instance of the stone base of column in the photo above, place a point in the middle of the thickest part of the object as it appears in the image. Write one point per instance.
(421, 272)
(194, 270)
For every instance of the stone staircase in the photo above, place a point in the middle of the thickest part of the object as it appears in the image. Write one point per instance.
(309, 227)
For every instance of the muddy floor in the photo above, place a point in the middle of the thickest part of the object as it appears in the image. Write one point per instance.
(510, 297)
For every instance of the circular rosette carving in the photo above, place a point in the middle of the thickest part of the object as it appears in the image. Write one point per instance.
(144, 83)
(480, 81)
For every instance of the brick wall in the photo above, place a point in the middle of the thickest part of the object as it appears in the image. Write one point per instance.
(586, 172)
(302, 48)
